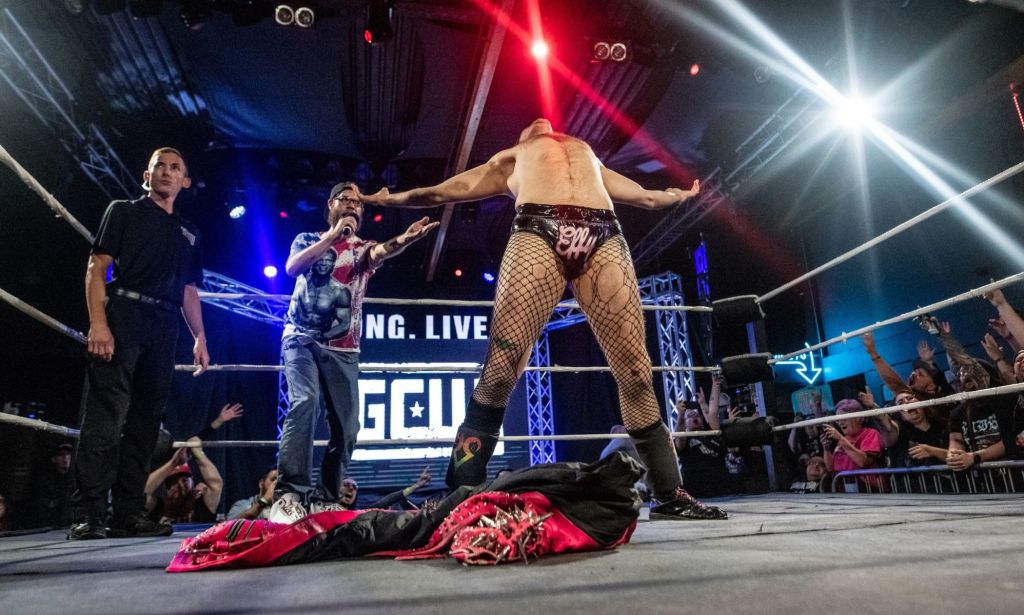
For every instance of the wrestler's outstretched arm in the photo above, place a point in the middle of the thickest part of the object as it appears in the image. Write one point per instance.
(626, 191)
(486, 180)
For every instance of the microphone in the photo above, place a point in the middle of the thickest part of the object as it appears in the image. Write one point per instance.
(349, 224)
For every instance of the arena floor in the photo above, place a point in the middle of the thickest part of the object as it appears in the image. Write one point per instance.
(778, 554)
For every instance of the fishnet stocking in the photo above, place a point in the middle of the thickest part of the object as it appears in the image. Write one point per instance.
(608, 294)
(530, 283)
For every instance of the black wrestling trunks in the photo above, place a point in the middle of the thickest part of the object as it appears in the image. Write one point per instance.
(573, 232)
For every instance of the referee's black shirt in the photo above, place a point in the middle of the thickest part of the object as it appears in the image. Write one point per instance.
(155, 253)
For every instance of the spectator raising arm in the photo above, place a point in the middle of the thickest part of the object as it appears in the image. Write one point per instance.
(1011, 321)
(885, 371)
(212, 478)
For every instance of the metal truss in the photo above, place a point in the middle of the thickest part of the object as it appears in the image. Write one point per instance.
(540, 414)
(673, 345)
(770, 139)
(282, 400)
(252, 303)
(31, 77)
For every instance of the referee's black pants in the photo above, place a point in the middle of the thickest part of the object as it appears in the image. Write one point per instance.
(122, 405)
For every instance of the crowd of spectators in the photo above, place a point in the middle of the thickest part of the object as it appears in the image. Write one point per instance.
(958, 436)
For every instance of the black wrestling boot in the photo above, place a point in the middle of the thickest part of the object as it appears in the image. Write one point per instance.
(474, 445)
(671, 501)
(88, 529)
(468, 463)
(681, 505)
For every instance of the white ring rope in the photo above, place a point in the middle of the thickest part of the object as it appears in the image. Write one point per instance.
(956, 397)
(650, 307)
(441, 368)
(21, 421)
(47, 320)
(954, 200)
(366, 367)
(48, 198)
(971, 294)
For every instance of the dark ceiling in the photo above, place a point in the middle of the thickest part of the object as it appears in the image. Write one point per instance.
(271, 116)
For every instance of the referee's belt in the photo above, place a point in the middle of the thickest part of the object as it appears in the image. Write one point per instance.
(135, 296)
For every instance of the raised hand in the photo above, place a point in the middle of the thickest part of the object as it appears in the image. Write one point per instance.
(867, 398)
(230, 412)
(999, 326)
(925, 352)
(992, 348)
(419, 228)
(868, 339)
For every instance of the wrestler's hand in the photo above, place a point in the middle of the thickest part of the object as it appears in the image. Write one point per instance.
(418, 229)
(378, 198)
(686, 194)
(200, 356)
(101, 342)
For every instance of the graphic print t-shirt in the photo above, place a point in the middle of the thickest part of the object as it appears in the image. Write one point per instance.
(327, 302)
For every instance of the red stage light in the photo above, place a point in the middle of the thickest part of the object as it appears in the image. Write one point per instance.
(539, 49)
(368, 36)
(283, 214)
(378, 217)
(694, 69)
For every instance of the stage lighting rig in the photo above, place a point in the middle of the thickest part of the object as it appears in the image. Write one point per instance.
(301, 16)
(610, 50)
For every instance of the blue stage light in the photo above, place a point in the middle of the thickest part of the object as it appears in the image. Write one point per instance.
(488, 276)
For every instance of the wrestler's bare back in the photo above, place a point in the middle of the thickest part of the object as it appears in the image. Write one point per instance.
(556, 169)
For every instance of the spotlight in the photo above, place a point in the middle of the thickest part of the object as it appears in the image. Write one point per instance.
(458, 273)
(694, 70)
(488, 277)
(601, 51)
(284, 15)
(194, 13)
(378, 22)
(305, 17)
(539, 49)
(283, 213)
(236, 212)
(378, 217)
(270, 271)
(145, 8)
(853, 113)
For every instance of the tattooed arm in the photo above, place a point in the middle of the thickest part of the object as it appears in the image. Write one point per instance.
(394, 246)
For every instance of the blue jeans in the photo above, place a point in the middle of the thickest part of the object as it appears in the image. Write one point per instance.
(310, 369)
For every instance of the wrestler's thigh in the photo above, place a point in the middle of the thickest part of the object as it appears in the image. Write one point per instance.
(530, 283)
(609, 295)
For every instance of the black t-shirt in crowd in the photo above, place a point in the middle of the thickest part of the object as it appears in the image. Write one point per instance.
(155, 253)
(982, 429)
(703, 465)
(1011, 428)
(909, 437)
